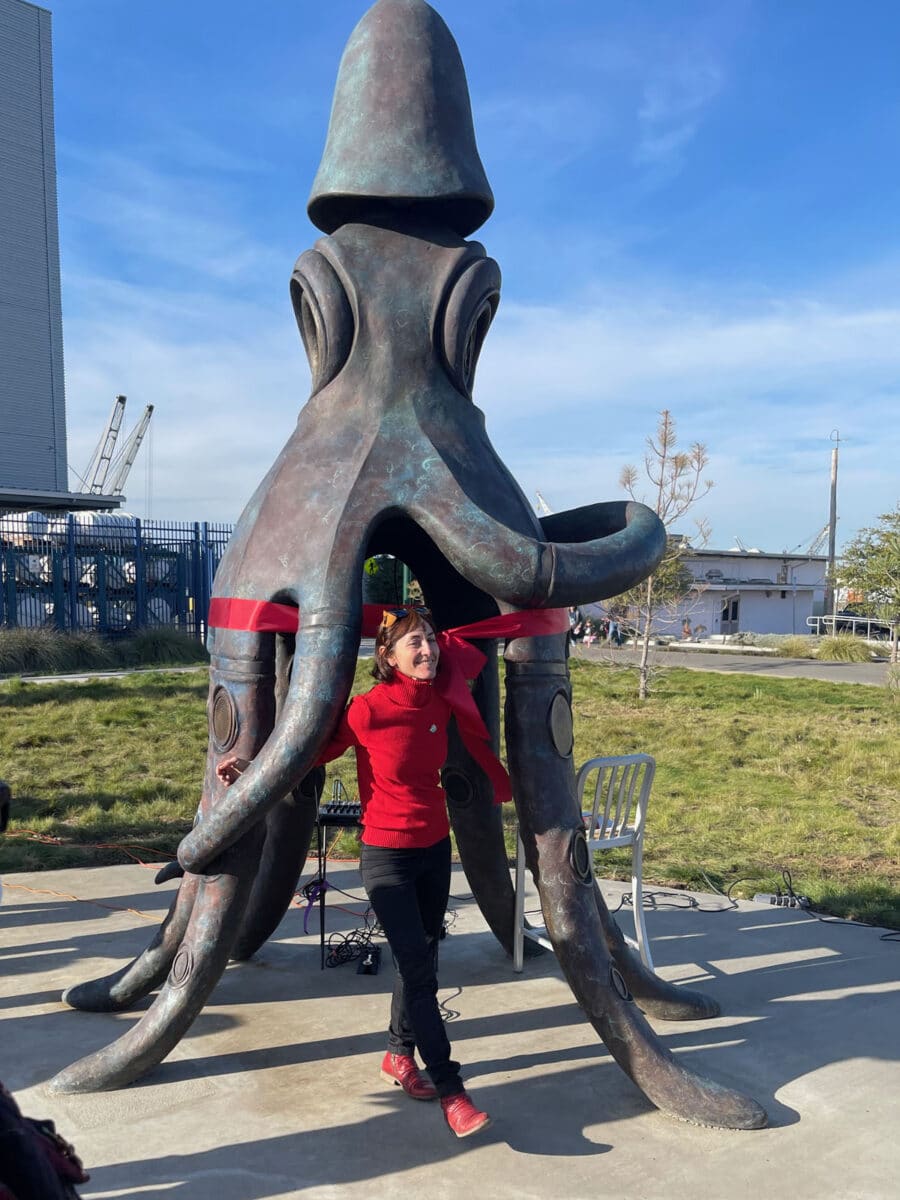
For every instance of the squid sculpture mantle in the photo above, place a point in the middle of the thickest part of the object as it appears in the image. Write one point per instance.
(390, 455)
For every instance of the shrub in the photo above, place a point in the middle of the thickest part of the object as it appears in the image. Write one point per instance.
(24, 650)
(53, 652)
(844, 647)
(161, 645)
(795, 646)
(744, 637)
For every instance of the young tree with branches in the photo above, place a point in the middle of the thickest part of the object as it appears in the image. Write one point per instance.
(676, 479)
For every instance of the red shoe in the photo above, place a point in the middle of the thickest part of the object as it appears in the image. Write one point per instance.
(402, 1070)
(462, 1116)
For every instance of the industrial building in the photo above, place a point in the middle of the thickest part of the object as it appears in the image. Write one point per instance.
(33, 457)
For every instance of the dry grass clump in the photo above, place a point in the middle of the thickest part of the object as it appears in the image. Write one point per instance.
(796, 646)
(844, 647)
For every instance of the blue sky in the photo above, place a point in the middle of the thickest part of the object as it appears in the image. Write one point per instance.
(698, 208)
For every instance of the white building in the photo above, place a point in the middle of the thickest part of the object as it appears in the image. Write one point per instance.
(747, 591)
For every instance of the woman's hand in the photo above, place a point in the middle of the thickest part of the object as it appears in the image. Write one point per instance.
(230, 768)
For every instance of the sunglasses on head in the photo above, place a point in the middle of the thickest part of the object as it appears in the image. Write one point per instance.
(390, 615)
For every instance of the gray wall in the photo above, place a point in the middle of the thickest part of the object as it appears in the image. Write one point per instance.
(32, 390)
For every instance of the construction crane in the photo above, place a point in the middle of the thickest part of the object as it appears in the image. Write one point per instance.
(542, 506)
(816, 544)
(819, 540)
(97, 469)
(126, 456)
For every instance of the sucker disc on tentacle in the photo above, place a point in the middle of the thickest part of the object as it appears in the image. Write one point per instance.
(196, 969)
(123, 988)
(289, 830)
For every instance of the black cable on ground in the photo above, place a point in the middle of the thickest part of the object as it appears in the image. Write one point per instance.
(448, 1013)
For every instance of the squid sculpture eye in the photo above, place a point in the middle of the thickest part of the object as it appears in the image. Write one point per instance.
(468, 312)
(324, 316)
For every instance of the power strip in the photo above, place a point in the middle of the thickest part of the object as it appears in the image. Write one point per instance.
(781, 901)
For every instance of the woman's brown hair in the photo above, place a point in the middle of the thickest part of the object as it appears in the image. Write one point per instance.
(395, 624)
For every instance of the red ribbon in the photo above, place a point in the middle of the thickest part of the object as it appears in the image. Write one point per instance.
(263, 616)
(256, 616)
(460, 661)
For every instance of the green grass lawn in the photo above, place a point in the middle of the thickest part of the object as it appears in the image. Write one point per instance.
(753, 776)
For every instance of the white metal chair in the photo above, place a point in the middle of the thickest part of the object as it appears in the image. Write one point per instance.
(614, 816)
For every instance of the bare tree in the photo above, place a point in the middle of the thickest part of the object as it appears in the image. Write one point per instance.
(676, 479)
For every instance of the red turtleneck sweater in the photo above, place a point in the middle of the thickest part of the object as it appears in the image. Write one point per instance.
(399, 730)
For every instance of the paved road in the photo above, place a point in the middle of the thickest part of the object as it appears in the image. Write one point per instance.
(873, 674)
(767, 666)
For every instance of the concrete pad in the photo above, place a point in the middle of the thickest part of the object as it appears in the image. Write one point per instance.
(275, 1092)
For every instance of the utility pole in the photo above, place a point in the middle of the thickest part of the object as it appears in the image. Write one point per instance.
(831, 592)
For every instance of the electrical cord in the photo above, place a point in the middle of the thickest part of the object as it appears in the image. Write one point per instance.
(681, 900)
(790, 899)
(448, 1013)
(348, 947)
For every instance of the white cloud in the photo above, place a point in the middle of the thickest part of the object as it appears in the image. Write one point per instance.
(162, 219)
(630, 346)
(569, 394)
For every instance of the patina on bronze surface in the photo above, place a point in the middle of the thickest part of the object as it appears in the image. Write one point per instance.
(390, 455)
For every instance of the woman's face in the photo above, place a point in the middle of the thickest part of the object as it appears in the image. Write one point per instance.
(416, 654)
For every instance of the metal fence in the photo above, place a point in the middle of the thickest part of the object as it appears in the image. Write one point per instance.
(107, 572)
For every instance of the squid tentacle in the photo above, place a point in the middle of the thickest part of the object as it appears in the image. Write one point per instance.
(196, 969)
(601, 991)
(478, 822)
(324, 666)
(525, 571)
(123, 988)
(289, 829)
(538, 704)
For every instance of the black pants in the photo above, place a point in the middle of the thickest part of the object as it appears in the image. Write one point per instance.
(408, 889)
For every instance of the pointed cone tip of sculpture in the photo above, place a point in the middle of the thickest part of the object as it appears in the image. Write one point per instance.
(401, 133)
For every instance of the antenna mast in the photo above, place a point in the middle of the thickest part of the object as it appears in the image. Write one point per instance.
(830, 589)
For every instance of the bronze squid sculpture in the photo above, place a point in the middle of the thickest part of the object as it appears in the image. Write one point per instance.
(390, 455)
